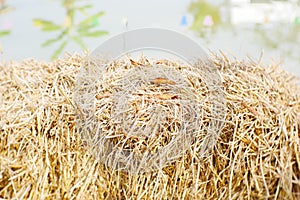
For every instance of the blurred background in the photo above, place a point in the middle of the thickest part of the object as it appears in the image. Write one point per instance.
(45, 29)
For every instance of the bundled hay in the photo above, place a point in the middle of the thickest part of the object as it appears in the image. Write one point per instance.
(42, 154)
(141, 116)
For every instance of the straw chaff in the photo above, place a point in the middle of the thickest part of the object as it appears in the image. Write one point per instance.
(42, 154)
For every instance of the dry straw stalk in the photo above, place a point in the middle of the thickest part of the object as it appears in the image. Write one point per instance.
(43, 156)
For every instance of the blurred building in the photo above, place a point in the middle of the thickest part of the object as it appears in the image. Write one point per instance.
(263, 11)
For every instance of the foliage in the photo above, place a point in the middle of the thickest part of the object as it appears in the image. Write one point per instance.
(4, 32)
(3, 10)
(200, 9)
(279, 36)
(70, 30)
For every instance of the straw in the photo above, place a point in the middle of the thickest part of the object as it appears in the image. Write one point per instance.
(146, 115)
(44, 154)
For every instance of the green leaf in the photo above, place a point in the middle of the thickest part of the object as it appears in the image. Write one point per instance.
(51, 28)
(53, 40)
(46, 25)
(83, 9)
(59, 50)
(3, 33)
(84, 28)
(79, 41)
(91, 19)
(93, 34)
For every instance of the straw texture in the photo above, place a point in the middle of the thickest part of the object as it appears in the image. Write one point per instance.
(45, 155)
(141, 116)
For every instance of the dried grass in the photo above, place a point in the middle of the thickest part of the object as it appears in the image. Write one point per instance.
(146, 114)
(43, 156)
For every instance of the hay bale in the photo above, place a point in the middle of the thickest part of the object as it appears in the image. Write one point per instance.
(42, 154)
(140, 116)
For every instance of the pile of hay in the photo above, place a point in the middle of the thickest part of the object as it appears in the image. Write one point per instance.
(43, 156)
(140, 116)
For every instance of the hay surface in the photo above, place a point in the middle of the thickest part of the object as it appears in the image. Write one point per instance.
(139, 116)
(42, 155)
